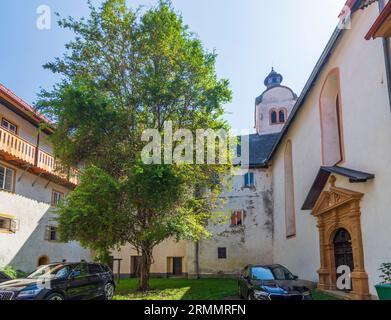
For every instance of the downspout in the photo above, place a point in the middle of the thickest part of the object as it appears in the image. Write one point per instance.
(37, 151)
(387, 59)
(197, 259)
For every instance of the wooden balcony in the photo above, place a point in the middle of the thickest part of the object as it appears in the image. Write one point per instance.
(23, 153)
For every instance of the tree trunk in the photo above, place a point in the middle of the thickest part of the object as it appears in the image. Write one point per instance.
(146, 261)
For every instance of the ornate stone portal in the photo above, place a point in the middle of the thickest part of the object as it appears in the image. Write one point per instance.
(338, 209)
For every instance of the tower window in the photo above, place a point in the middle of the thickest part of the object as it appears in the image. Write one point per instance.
(273, 117)
(278, 116)
(281, 116)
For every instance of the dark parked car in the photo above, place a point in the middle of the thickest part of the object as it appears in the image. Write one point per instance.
(4, 277)
(62, 281)
(273, 282)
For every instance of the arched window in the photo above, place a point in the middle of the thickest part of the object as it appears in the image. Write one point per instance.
(273, 117)
(281, 116)
(290, 219)
(331, 120)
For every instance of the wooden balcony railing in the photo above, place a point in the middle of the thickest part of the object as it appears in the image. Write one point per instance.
(49, 164)
(22, 151)
(17, 147)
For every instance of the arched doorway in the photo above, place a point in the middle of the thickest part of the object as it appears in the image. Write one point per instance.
(339, 221)
(43, 260)
(343, 251)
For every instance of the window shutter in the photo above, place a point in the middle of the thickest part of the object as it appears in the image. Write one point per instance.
(13, 226)
(252, 179)
(246, 180)
(47, 233)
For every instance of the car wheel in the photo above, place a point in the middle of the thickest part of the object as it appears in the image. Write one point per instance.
(109, 291)
(55, 296)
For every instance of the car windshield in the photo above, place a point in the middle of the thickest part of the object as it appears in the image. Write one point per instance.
(51, 272)
(264, 274)
(281, 273)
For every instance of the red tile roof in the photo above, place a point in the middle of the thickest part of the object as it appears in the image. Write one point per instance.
(19, 103)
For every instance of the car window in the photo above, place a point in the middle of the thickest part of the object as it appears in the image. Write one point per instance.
(282, 273)
(51, 271)
(259, 273)
(95, 268)
(80, 270)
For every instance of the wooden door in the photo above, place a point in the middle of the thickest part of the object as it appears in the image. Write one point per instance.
(177, 266)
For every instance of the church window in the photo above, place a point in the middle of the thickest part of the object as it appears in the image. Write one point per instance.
(290, 219)
(273, 117)
(331, 121)
(281, 116)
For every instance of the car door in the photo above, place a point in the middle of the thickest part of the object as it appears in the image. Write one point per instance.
(97, 280)
(78, 287)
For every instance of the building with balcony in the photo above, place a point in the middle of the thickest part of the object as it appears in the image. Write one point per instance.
(31, 185)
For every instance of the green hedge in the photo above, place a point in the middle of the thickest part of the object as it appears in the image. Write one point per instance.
(13, 273)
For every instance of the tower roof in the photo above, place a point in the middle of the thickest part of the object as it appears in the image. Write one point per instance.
(274, 79)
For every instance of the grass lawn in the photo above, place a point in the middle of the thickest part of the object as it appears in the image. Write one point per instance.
(178, 289)
(318, 295)
(184, 289)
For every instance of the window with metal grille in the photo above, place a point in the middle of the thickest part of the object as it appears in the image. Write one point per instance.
(222, 253)
(6, 178)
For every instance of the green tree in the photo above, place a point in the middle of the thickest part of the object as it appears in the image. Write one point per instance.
(124, 72)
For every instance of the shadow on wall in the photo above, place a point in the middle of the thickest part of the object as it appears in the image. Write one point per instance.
(37, 249)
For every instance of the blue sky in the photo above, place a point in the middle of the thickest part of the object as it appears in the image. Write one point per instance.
(250, 36)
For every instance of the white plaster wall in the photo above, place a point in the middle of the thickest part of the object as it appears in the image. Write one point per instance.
(251, 243)
(30, 205)
(167, 249)
(367, 135)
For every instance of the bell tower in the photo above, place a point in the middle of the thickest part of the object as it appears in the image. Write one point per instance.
(274, 105)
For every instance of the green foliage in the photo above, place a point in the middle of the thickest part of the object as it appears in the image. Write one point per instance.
(123, 73)
(179, 289)
(385, 268)
(13, 273)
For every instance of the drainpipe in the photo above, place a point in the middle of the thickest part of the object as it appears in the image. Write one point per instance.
(387, 58)
(36, 151)
(197, 259)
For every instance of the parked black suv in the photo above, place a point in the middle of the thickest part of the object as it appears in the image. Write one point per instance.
(4, 277)
(62, 281)
(273, 282)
